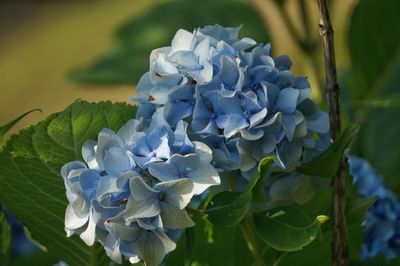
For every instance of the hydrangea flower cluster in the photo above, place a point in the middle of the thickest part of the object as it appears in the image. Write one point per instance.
(209, 102)
(235, 97)
(382, 222)
(131, 192)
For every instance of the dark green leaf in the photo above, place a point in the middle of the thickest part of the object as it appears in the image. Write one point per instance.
(287, 229)
(357, 208)
(214, 246)
(5, 239)
(228, 208)
(327, 163)
(5, 128)
(128, 57)
(38, 258)
(30, 183)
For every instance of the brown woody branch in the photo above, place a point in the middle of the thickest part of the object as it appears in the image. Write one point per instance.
(339, 245)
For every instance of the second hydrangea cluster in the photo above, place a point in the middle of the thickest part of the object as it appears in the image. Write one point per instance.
(382, 222)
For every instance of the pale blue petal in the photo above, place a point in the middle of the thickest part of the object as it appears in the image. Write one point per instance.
(153, 246)
(89, 235)
(116, 161)
(287, 100)
(73, 220)
(164, 171)
(173, 217)
(89, 181)
(89, 154)
(182, 40)
(203, 151)
(203, 177)
(129, 131)
(111, 246)
(72, 170)
(244, 44)
(320, 123)
(176, 192)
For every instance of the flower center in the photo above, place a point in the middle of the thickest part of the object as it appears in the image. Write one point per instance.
(161, 196)
(246, 114)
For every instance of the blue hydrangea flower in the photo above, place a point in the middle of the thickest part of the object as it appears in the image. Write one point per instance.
(368, 183)
(381, 228)
(382, 222)
(127, 196)
(209, 88)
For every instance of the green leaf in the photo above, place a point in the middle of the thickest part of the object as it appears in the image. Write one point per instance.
(30, 183)
(228, 208)
(288, 229)
(214, 246)
(128, 57)
(357, 208)
(5, 128)
(190, 242)
(257, 184)
(37, 258)
(327, 163)
(5, 238)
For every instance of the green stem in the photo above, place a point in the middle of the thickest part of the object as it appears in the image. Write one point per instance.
(246, 227)
(231, 180)
(281, 257)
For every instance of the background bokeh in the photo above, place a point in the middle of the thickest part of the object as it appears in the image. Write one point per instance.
(53, 52)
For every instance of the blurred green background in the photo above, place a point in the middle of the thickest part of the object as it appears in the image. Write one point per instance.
(53, 52)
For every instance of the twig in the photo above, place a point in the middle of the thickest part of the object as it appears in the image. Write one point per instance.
(246, 226)
(339, 245)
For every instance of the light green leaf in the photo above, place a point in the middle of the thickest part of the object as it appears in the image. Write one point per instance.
(5, 128)
(128, 57)
(256, 183)
(288, 229)
(30, 183)
(228, 208)
(5, 239)
(327, 163)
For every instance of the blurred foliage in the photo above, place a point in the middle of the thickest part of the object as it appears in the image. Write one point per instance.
(374, 42)
(128, 57)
